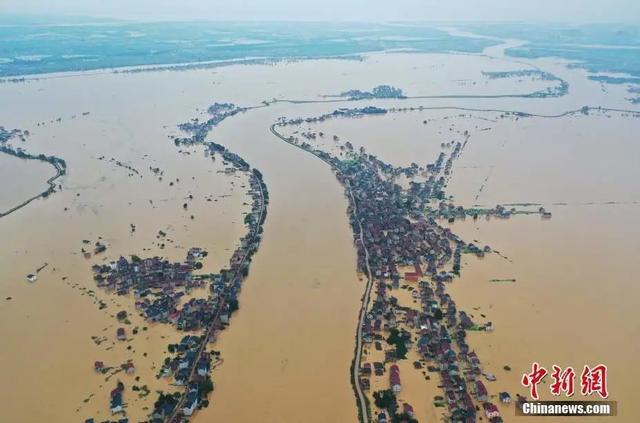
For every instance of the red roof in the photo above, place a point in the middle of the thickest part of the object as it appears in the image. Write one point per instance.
(411, 276)
(490, 408)
(482, 390)
(394, 375)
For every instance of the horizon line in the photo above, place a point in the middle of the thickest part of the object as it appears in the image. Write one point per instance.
(51, 18)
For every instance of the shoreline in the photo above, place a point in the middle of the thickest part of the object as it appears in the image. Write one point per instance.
(176, 67)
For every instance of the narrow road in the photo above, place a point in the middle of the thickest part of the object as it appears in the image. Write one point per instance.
(364, 411)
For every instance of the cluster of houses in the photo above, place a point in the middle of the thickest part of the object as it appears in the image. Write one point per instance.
(144, 275)
(189, 366)
(158, 286)
(161, 289)
(441, 341)
(393, 235)
(7, 134)
(393, 242)
(199, 129)
(379, 92)
(186, 358)
(344, 112)
(450, 212)
(404, 245)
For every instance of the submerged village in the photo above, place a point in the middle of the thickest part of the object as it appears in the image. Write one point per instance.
(405, 253)
(160, 288)
(130, 235)
(400, 247)
(408, 322)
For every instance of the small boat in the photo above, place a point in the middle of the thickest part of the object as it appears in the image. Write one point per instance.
(32, 277)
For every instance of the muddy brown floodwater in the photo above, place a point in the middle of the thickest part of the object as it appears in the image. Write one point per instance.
(288, 349)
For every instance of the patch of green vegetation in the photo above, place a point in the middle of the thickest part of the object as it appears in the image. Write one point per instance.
(386, 400)
(437, 314)
(205, 387)
(398, 339)
(233, 305)
(403, 418)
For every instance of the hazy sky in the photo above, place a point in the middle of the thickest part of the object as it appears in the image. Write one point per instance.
(372, 10)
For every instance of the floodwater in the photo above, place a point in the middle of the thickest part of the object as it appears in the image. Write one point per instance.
(288, 350)
(47, 326)
(573, 296)
(23, 179)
